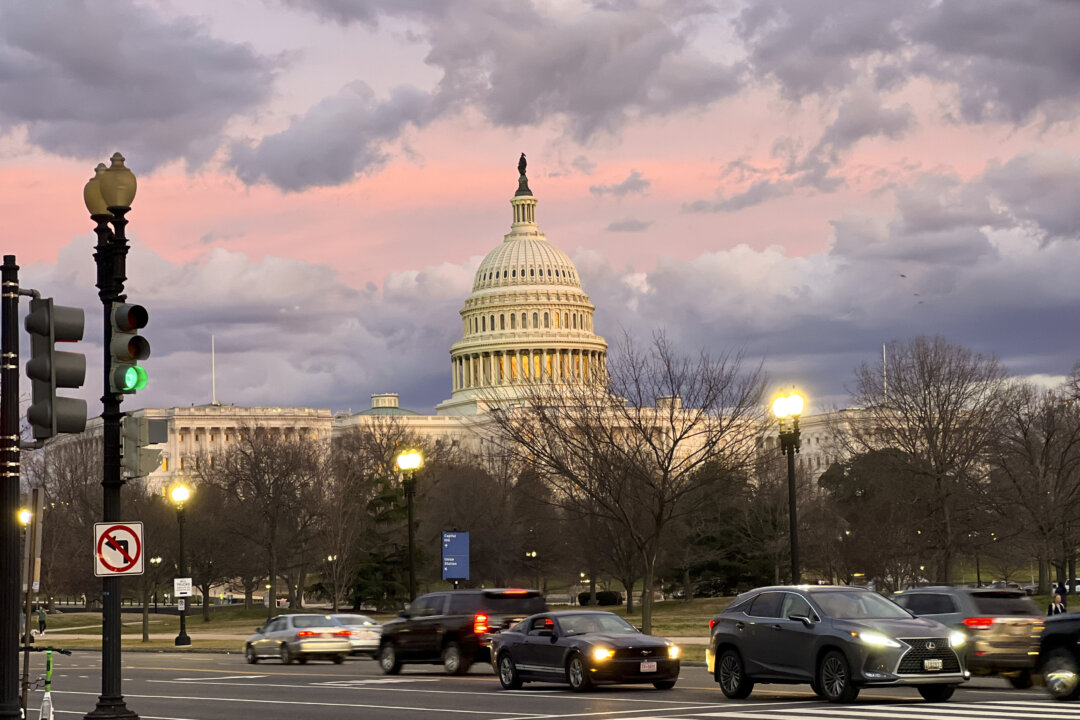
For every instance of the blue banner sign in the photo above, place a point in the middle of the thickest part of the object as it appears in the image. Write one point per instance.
(455, 556)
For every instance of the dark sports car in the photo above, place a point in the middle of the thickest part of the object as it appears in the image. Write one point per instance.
(582, 648)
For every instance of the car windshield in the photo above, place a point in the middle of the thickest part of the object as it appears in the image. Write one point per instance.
(594, 622)
(355, 620)
(310, 621)
(844, 605)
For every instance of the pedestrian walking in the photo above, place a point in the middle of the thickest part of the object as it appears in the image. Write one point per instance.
(1057, 607)
(1061, 593)
(41, 617)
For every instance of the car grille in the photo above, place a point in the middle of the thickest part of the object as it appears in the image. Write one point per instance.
(912, 662)
(642, 653)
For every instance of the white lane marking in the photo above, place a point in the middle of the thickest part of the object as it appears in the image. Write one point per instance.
(607, 714)
(225, 677)
(886, 711)
(555, 692)
(1009, 708)
(310, 703)
(148, 717)
(374, 681)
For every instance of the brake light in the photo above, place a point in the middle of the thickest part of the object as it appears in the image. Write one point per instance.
(712, 623)
(343, 633)
(480, 624)
(514, 591)
(979, 622)
(308, 633)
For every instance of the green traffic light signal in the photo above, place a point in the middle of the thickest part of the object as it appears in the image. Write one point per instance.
(133, 378)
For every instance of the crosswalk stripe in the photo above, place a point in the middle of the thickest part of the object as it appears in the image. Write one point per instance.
(922, 711)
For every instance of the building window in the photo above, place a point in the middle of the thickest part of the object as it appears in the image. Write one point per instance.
(483, 323)
(513, 273)
(492, 323)
(536, 322)
(556, 320)
(532, 272)
(547, 324)
(566, 320)
(575, 321)
(513, 322)
(165, 463)
(502, 322)
(181, 463)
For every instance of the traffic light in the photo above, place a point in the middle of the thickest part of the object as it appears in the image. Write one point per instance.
(127, 348)
(49, 368)
(138, 433)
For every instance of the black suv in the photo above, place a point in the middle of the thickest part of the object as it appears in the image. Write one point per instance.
(450, 627)
(1059, 656)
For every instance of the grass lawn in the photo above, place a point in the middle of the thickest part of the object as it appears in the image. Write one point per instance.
(678, 618)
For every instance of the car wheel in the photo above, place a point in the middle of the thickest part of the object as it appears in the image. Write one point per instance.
(1022, 680)
(1062, 675)
(454, 663)
(339, 658)
(508, 674)
(834, 678)
(664, 684)
(577, 674)
(250, 655)
(937, 693)
(815, 687)
(302, 659)
(286, 655)
(388, 659)
(732, 677)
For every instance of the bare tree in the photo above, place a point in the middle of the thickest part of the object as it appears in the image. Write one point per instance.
(940, 409)
(630, 442)
(266, 474)
(1037, 472)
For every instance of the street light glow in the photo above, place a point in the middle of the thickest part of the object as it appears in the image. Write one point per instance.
(25, 516)
(410, 460)
(180, 494)
(788, 405)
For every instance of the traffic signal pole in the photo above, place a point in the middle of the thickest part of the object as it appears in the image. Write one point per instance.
(111, 258)
(9, 492)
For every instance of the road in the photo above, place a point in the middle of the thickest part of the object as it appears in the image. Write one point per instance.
(174, 686)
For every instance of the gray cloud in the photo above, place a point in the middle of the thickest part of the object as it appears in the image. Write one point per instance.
(1041, 191)
(341, 136)
(583, 165)
(629, 225)
(635, 183)
(759, 192)
(84, 82)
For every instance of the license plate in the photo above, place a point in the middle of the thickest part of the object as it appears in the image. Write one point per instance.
(648, 666)
(932, 664)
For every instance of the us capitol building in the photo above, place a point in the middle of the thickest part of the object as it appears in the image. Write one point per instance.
(527, 320)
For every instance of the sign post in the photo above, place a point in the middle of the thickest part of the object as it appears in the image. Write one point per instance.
(455, 556)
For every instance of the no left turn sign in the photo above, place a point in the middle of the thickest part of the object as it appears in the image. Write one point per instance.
(118, 549)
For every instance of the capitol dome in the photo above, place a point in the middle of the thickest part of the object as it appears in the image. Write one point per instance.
(527, 319)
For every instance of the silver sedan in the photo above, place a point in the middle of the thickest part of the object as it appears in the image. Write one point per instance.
(299, 637)
(366, 633)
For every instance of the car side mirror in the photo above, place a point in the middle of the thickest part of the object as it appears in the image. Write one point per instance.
(259, 630)
(804, 619)
(404, 614)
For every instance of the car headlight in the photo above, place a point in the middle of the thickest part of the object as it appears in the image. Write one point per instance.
(601, 654)
(673, 651)
(957, 638)
(878, 640)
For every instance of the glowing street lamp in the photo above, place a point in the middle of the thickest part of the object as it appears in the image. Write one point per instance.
(409, 461)
(787, 409)
(180, 494)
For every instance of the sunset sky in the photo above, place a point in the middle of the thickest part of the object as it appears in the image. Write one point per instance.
(319, 179)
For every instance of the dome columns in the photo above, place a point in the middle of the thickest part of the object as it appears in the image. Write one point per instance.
(488, 369)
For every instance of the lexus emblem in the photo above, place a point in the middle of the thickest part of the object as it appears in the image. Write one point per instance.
(930, 645)
(644, 653)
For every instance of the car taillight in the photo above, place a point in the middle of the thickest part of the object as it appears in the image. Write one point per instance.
(480, 624)
(712, 623)
(308, 633)
(979, 622)
(343, 633)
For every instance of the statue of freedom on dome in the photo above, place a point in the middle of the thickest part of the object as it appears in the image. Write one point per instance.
(523, 182)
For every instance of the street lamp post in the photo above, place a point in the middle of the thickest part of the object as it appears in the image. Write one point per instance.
(154, 563)
(409, 462)
(787, 409)
(180, 495)
(108, 196)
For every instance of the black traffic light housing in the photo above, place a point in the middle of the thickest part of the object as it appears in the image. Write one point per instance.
(127, 348)
(49, 368)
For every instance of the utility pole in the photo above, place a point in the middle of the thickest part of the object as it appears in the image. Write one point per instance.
(9, 492)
